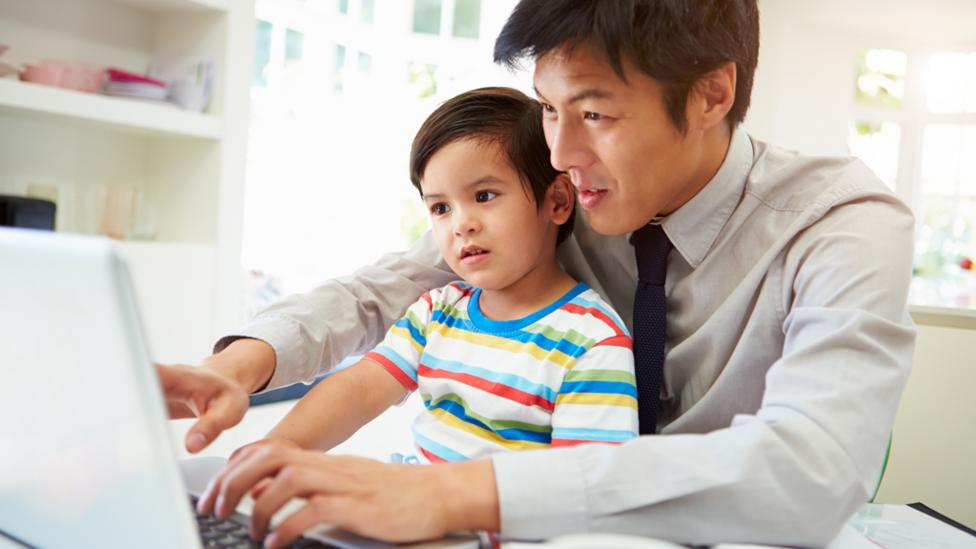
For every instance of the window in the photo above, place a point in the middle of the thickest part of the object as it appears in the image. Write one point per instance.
(366, 11)
(427, 16)
(262, 53)
(343, 6)
(294, 42)
(923, 145)
(467, 18)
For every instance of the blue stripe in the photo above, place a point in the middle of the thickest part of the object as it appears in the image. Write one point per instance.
(414, 333)
(437, 449)
(459, 412)
(511, 380)
(604, 387)
(595, 435)
(396, 359)
(529, 338)
(583, 302)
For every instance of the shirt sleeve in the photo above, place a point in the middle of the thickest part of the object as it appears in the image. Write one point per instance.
(404, 343)
(597, 401)
(793, 472)
(348, 316)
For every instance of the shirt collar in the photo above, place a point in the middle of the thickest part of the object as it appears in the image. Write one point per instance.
(694, 227)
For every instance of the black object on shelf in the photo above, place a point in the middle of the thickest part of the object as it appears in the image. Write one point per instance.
(28, 213)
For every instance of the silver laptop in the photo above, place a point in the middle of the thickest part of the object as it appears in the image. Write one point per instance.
(86, 459)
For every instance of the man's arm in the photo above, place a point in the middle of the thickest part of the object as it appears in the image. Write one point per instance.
(312, 332)
(794, 471)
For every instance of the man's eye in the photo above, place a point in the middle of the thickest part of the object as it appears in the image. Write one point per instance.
(548, 109)
(593, 116)
(439, 209)
(484, 196)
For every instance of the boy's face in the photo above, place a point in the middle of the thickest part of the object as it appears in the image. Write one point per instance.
(485, 221)
(628, 161)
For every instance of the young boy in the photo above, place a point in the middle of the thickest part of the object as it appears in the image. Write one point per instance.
(516, 356)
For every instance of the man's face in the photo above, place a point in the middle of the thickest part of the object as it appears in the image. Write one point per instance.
(628, 161)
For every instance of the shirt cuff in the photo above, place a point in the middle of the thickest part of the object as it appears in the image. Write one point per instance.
(541, 493)
(283, 334)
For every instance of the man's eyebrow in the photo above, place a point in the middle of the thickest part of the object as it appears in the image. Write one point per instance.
(588, 93)
(480, 181)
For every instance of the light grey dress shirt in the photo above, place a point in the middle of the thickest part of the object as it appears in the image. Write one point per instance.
(789, 344)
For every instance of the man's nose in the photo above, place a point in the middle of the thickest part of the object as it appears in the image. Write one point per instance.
(567, 148)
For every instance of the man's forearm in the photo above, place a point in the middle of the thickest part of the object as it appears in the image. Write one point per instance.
(249, 362)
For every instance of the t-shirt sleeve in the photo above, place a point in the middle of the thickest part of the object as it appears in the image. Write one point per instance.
(597, 400)
(400, 350)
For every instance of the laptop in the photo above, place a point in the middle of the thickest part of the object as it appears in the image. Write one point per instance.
(86, 457)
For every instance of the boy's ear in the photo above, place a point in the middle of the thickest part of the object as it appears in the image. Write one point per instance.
(561, 199)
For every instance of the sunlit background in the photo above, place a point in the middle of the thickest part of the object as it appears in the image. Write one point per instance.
(340, 86)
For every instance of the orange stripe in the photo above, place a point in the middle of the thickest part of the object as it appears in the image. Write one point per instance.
(571, 442)
(433, 458)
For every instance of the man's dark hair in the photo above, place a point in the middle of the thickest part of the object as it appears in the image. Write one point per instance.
(675, 42)
(501, 116)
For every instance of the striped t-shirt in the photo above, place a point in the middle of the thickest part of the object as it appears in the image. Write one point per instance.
(561, 376)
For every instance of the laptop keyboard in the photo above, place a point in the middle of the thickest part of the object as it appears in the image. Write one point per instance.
(230, 533)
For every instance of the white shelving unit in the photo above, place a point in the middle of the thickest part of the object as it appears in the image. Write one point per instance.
(187, 169)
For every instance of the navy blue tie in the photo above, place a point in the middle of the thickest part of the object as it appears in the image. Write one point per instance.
(651, 246)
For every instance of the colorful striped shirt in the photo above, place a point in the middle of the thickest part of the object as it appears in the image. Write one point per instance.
(561, 376)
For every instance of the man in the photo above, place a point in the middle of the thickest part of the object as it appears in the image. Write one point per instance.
(788, 341)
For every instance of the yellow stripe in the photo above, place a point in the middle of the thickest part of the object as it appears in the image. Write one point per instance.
(597, 399)
(404, 333)
(453, 422)
(504, 344)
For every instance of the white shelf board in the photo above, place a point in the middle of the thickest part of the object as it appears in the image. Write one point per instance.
(126, 114)
(176, 6)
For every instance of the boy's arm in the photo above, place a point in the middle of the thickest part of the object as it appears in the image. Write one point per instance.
(597, 401)
(339, 405)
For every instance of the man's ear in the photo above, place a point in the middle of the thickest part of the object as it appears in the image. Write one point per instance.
(560, 199)
(712, 97)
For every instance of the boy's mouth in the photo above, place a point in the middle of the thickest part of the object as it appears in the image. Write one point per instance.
(470, 253)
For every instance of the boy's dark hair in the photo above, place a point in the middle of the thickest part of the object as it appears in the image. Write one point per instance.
(495, 115)
(675, 42)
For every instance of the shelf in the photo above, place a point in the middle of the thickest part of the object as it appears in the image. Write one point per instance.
(176, 6)
(945, 317)
(126, 114)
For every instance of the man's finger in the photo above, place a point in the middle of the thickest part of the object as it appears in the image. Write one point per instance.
(221, 411)
(321, 508)
(242, 475)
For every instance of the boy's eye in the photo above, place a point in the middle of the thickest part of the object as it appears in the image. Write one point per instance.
(484, 196)
(439, 208)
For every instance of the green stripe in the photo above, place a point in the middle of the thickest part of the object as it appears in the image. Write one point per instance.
(416, 323)
(494, 424)
(600, 375)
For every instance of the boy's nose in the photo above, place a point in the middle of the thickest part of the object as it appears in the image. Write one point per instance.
(466, 224)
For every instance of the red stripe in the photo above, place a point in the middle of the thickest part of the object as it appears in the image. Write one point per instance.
(498, 389)
(464, 291)
(426, 297)
(572, 442)
(573, 308)
(431, 457)
(617, 341)
(400, 376)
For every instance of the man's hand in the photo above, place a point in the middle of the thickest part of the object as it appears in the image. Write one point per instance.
(391, 502)
(216, 400)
